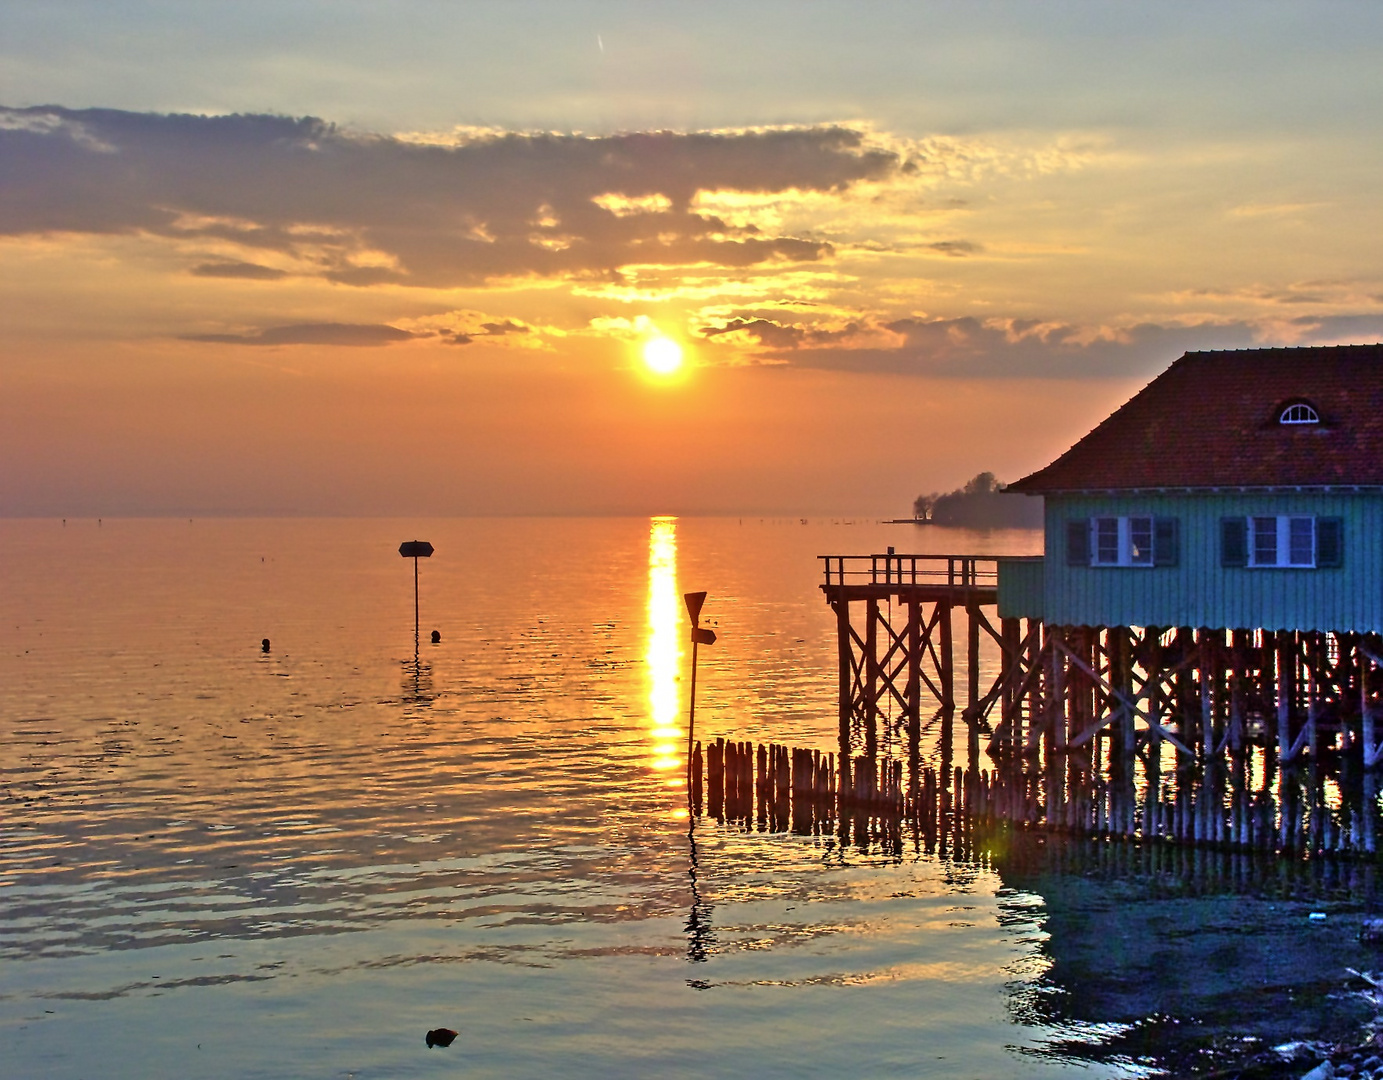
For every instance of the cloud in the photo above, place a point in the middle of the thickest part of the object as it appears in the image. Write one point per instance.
(365, 209)
(500, 329)
(778, 335)
(956, 248)
(248, 271)
(506, 328)
(464, 327)
(1256, 210)
(1339, 294)
(361, 334)
(1014, 348)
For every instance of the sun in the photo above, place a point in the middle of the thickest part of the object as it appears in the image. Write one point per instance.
(662, 356)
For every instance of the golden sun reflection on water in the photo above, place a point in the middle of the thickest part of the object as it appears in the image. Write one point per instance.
(664, 651)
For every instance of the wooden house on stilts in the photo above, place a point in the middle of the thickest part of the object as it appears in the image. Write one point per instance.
(1198, 655)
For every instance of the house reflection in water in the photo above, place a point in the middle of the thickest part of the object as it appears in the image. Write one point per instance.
(1183, 960)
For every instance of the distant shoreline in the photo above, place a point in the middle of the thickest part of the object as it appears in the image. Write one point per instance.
(958, 525)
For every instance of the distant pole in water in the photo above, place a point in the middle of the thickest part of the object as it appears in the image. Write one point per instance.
(699, 636)
(415, 550)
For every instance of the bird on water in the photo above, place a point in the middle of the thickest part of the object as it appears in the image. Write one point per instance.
(440, 1037)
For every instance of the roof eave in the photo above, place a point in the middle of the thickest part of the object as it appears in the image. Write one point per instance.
(1213, 489)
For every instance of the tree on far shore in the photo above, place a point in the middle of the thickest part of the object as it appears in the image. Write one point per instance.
(922, 506)
(981, 504)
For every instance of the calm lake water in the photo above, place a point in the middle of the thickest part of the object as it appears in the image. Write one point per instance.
(216, 862)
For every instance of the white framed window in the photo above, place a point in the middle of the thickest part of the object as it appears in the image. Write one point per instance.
(1301, 541)
(1263, 546)
(1282, 541)
(1299, 413)
(1140, 541)
(1105, 544)
(1121, 541)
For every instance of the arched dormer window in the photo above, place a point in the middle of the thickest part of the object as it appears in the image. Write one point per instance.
(1298, 412)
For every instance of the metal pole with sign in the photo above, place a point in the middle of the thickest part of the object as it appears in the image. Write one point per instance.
(415, 550)
(699, 636)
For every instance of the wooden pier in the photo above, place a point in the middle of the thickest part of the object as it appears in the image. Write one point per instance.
(900, 652)
(1244, 739)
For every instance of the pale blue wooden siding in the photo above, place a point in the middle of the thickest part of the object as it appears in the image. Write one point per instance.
(1020, 587)
(1198, 591)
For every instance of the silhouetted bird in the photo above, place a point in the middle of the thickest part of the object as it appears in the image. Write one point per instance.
(440, 1037)
(436, 636)
(264, 645)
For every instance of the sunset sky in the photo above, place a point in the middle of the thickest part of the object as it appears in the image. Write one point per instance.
(404, 258)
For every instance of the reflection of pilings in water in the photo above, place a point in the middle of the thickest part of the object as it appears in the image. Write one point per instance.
(417, 682)
(781, 788)
(698, 928)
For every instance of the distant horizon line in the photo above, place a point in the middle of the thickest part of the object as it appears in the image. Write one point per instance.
(882, 518)
(289, 515)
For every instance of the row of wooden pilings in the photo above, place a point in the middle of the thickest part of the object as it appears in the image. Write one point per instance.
(775, 782)
(801, 789)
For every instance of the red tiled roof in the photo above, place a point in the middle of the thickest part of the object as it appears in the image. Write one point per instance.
(1211, 421)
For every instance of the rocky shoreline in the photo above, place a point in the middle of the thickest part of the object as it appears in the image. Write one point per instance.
(1309, 1061)
(1325, 1061)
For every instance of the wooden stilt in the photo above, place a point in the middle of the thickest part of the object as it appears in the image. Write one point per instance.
(871, 681)
(845, 658)
(948, 691)
(914, 696)
(972, 678)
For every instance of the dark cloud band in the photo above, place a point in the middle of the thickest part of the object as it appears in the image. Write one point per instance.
(971, 348)
(368, 209)
(360, 334)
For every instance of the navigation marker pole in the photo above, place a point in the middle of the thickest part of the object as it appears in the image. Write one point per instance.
(694, 600)
(415, 550)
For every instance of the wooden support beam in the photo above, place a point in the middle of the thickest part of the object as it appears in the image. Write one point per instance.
(1055, 735)
(845, 655)
(945, 662)
(1010, 675)
(1209, 659)
(1373, 751)
(871, 692)
(1286, 683)
(1027, 719)
(913, 709)
(946, 676)
(1152, 759)
(1085, 735)
(1008, 725)
(972, 672)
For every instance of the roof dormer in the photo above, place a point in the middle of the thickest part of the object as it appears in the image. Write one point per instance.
(1294, 413)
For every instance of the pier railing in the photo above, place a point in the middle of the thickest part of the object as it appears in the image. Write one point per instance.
(954, 571)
